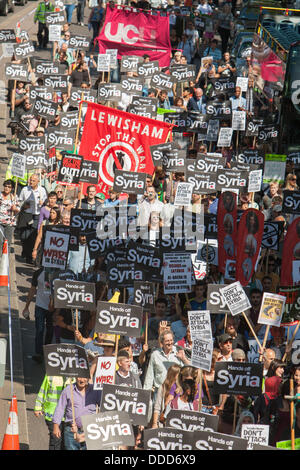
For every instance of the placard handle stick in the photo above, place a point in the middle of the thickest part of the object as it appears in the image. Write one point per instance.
(72, 404)
(146, 329)
(16, 186)
(292, 406)
(81, 191)
(76, 318)
(78, 125)
(237, 140)
(13, 99)
(264, 342)
(234, 415)
(251, 328)
(200, 389)
(291, 341)
(157, 291)
(225, 321)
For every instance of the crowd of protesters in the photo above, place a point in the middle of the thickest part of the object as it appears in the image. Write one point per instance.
(29, 205)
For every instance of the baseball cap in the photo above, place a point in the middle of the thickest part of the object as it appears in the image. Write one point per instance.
(100, 196)
(224, 337)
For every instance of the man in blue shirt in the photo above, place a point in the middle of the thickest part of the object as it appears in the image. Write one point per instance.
(237, 101)
(214, 52)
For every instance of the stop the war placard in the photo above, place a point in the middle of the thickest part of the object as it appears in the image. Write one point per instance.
(107, 431)
(119, 319)
(74, 294)
(238, 378)
(183, 194)
(134, 401)
(66, 360)
(191, 421)
(235, 297)
(18, 167)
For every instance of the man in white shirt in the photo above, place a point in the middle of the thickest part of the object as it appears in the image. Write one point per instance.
(237, 101)
(32, 197)
(147, 205)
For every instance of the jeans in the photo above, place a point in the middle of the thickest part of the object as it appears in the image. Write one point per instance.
(70, 442)
(80, 11)
(69, 12)
(40, 316)
(28, 235)
(54, 442)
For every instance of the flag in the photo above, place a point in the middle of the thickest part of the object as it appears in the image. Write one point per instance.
(120, 140)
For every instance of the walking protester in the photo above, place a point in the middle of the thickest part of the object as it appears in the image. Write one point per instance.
(40, 16)
(31, 199)
(9, 209)
(45, 405)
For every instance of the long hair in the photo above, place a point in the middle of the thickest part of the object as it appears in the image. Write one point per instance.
(172, 377)
(186, 371)
(273, 366)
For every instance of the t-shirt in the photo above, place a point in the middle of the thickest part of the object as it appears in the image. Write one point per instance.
(38, 281)
(227, 72)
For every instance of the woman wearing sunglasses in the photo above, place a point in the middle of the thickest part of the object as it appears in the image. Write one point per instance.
(9, 208)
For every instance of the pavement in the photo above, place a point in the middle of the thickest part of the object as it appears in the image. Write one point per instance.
(27, 375)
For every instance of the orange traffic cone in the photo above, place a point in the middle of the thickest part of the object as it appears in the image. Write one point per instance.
(18, 32)
(11, 436)
(4, 266)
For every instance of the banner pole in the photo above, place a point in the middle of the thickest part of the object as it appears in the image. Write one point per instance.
(234, 415)
(78, 125)
(292, 406)
(16, 186)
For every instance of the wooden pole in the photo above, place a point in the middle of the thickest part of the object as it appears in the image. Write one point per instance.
(13, 99)
(264, 342)
(76, 318)
(16, 186)
(292, 410)
(78, 125)
(292, 339)
(251, 328)
(234, 415)
(146, 329)
(200, 389)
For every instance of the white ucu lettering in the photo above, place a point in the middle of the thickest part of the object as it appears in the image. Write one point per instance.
(122, 32)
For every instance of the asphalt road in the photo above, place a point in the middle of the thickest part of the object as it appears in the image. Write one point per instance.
(28, 375)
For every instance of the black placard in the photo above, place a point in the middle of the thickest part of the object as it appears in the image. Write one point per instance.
(24, 50)
(46, 67)
(183, 73)
(238, 378)
(144, 295)
(69, 170)
(69, 120)
(84, 220)
(191, 421)
(106, 431)
(134, 401)
(215, 301)
(219, 110)
(66, 360)
(231, 179)
(58, 82)
(204, 183)
(110, 92)
(16, 72)
(79, 42)
(60, 139)
(162, 81)
(124, 274)
(7, 35)
(45, 108)
(129, 182)
(89, 172)
(291, 202)
(132, 85)
(74, 294)
(148, 69)
(119, 319)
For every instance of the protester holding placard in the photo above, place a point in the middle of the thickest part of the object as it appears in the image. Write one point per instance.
(9, 209)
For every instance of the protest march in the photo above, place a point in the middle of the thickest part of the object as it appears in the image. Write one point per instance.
(153, 187)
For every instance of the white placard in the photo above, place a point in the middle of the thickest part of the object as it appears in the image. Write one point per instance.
(271, 309)
(54, 32)
(105, 372)
(255, 434)
(183, 194)
(177, 272)
(113, 54)
(225, 136)
(18, 167)
(236, 298)
(238, 120)
(255, 180)
(242, 82)
(202, 354)
(55, 251)
(103, 63)
(200, 324)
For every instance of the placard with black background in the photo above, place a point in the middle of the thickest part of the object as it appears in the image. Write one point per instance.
(74, 294)
(66, 360)
(144, 295)
(291, 202)
(238, 378)
(191, 421)
(119, 319)
(134, 401)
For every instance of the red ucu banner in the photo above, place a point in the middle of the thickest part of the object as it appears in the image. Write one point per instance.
(135, 32)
